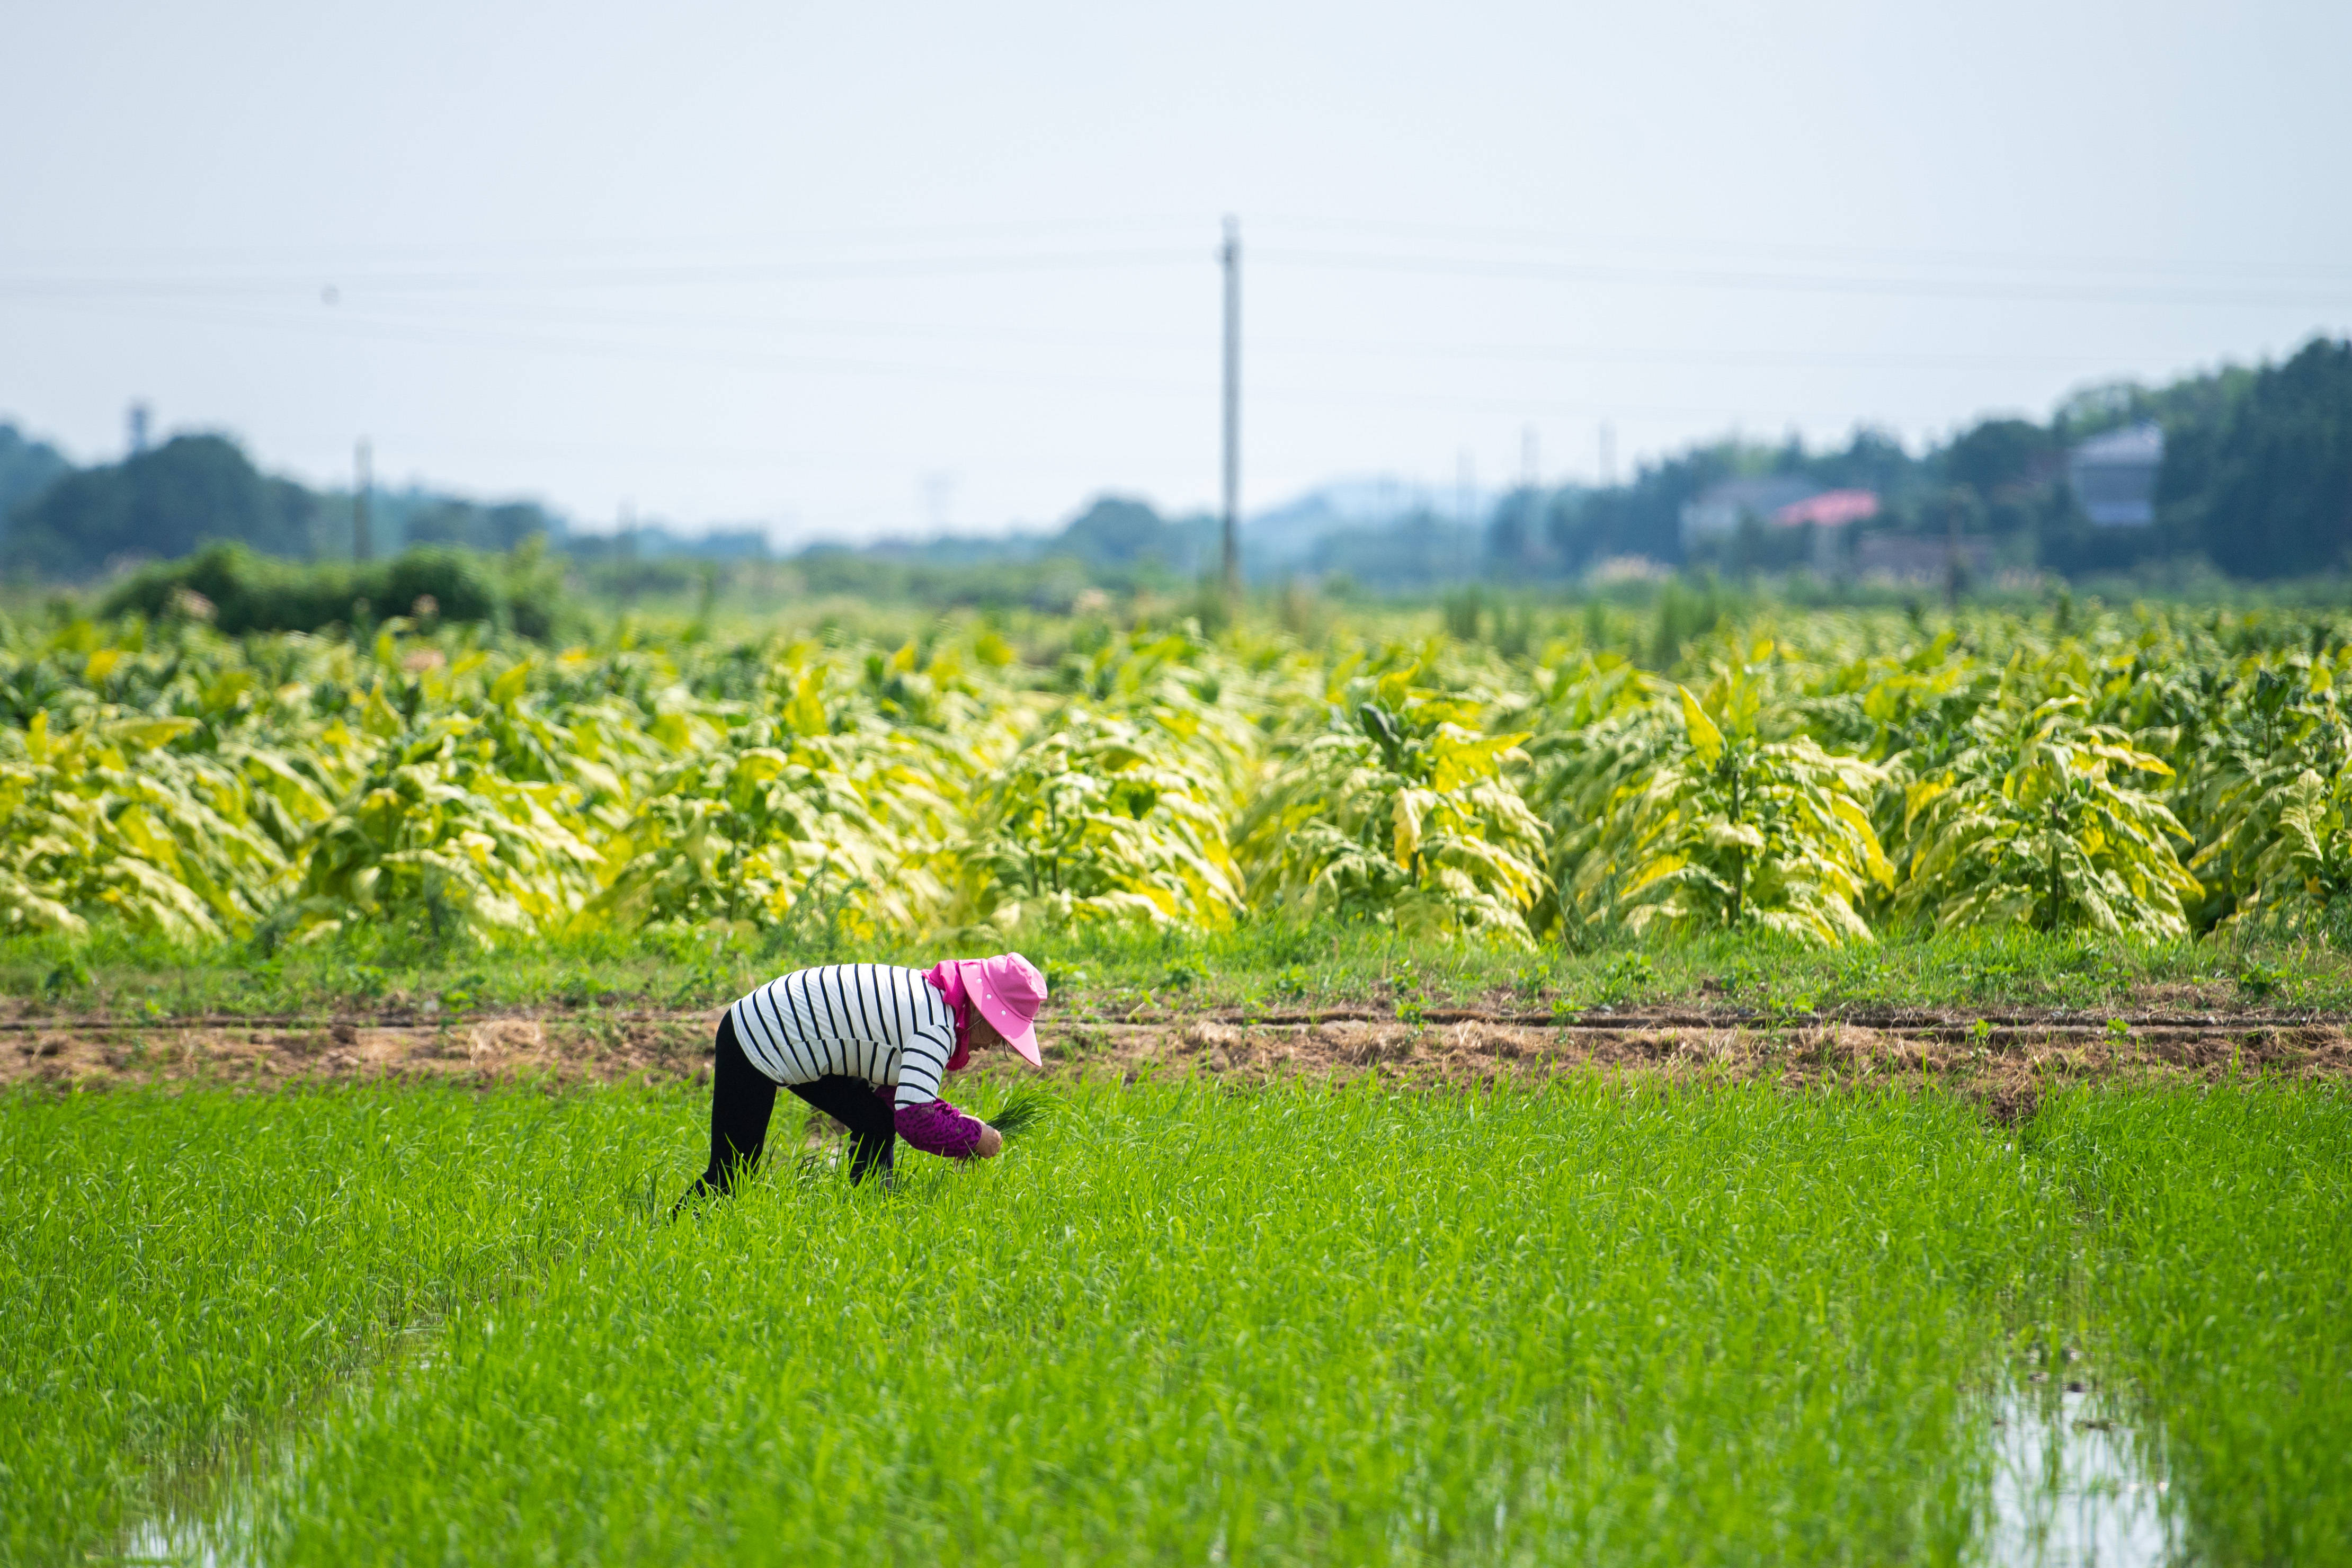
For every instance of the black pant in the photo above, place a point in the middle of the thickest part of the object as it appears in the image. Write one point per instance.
(743, 1098)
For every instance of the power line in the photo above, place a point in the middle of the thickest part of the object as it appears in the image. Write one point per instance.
(1275, 392)
(362, 489)
(671, 244)
(1791, 282)
(480, 338)
(1231, 257)
(385, 319)
(722, 251)
(1528, 239)
(448, 297)
(1646, 273)
(599, 278)
(736, 324)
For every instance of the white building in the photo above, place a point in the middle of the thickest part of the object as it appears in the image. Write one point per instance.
(2114, 475)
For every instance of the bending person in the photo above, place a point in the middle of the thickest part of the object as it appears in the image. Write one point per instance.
(866, 1043)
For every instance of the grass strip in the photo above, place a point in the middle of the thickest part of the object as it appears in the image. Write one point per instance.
(1261, 965)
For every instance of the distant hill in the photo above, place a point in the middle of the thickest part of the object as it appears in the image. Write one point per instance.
(1284, 540)
(1122, 535)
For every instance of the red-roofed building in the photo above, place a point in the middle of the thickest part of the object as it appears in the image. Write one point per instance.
(1830, 508)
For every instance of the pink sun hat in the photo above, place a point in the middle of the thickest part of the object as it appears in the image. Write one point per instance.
(1008, 991)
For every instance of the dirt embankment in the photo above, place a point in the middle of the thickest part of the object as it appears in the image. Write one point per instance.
(2006, 1059)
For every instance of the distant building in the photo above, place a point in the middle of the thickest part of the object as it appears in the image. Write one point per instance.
(2114, 475)
(1830, 508)
(1782, 500)
(1832, 515)
(1720, 509)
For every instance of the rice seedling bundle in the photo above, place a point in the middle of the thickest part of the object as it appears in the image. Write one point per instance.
(1023, 1109)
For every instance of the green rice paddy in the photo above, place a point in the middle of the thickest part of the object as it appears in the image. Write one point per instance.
(1175, 1323)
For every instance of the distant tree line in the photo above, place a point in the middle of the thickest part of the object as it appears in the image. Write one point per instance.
(1117, 543)
(240, 591)
(2256, 478)
(166, 503)
(194, 516)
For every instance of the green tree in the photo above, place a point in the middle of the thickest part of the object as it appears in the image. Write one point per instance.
(2280, 500)
(158, 505)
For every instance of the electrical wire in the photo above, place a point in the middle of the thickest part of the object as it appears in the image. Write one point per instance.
(1559, 240)
(1275, 392)
(1791, 282)
(737, 323)
(501, 307)
(609, 276)
(2324, 288)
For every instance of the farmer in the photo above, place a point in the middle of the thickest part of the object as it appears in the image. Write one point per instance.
(866, 1043)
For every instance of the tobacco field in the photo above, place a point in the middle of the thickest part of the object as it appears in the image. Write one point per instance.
(2160, 773)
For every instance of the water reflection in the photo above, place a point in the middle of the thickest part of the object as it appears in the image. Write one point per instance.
(174, 1542)
(2073, 1487)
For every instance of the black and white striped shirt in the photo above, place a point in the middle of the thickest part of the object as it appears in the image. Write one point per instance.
(885, 1024)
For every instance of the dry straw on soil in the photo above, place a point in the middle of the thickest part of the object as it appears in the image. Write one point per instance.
(2006, 1061)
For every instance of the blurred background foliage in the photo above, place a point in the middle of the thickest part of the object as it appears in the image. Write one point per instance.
(2254, 486)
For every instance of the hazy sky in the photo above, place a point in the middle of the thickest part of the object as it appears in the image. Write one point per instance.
(877, 268)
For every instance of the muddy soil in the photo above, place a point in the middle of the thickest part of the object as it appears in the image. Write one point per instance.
(2008, 1060)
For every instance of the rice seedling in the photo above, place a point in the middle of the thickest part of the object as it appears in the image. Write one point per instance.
(1173, 1322)
(2216, 1264)
(180, 1274)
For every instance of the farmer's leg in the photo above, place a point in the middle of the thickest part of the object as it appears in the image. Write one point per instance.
(873, 1134)
(741, 1099)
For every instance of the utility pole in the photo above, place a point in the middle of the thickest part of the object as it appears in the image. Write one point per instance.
(1465, 480)
(1530, 495)
(625, 566)
(1608, 455)
(1231, 257)
(1955, 569)
(363, 481)
(938, 487)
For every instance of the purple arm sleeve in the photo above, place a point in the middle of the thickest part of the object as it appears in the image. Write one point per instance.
(937, 1128)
